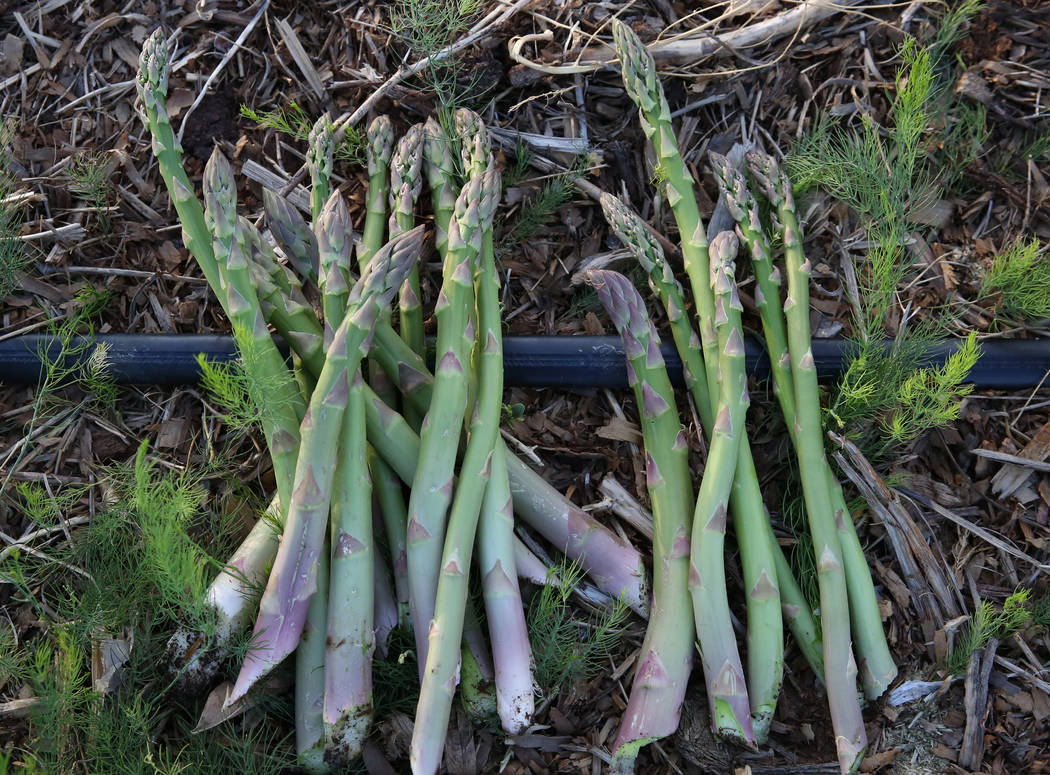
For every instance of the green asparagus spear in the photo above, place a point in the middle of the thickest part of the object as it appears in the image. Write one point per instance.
(665, 661)
(840, 668)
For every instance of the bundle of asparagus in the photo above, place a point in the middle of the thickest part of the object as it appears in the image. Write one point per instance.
(334, 434)
(741, 710)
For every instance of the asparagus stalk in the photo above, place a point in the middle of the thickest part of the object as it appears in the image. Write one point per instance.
(759, 550)
(387, 609)
(152, 86)
(196, 655)
(293, 234)
(503, 606)
(441, 174)
(614, 565)
(406, 182)
(351, 617)
(877, 669)
(379, 144)
(310, 677)
(395, 520)
(439, 438)
(293, 579)
(319, 155)
(475, 148)
(840, 668)
(726, 692)
(335, 241)
(446, 628)
(658, 690)
(643, 86)
(284, 410)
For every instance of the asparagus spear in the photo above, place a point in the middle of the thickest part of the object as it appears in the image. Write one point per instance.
(658, 690)
(310, 676)
(406, 183)
(351, 636)
(395, 520)
(152, 86)
(284, 411)
(292, 234)
(762, 560)
(293, 579)
(319, 154)
(439, 438)
(503, 605)
(441, 174)
(379, 144)
(726, 692)
(877, 669)
(840, 669)
(335, 241)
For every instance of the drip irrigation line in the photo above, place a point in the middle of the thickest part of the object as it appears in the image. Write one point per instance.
(529, 361)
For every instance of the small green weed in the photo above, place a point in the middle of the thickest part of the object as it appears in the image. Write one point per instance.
(1019, 612)
(1019, 281)
(14, 259)
(89, 180)
(429, 26)
(294, 122)
(539, 209)
(564, 648)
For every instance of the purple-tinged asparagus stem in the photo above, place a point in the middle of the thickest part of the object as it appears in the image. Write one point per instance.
(660, 680)
(292, 234)
(395, 520)
(503, 606)
(840, 668)
(351, 634)
(310, 677)
(293, 580)
(230, 597)
(319, 156)
(432, 487)
(446, 626)
(726, 690)
(387, 610)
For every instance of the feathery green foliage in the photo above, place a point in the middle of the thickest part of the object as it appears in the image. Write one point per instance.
(429, 26)
(536, 212)
(14, 258)
(89, 179)
(889, 176)
(294, 122)
(565, 648)
(1019, 281)
(1019, 612)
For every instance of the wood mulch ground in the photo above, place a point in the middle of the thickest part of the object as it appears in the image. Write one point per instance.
(66, 85)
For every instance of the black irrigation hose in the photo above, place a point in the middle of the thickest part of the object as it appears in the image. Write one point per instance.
(529, 361)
